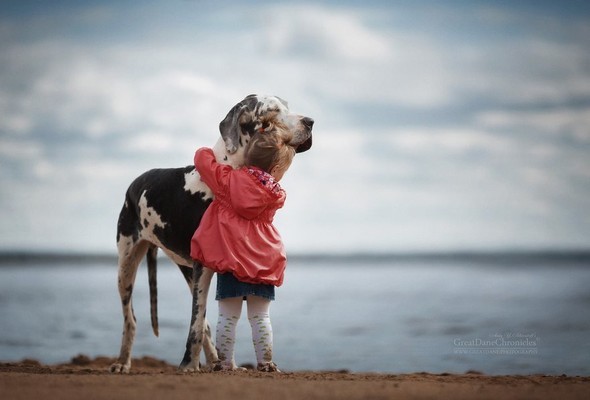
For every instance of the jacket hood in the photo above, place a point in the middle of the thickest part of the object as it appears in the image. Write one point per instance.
(253, 191)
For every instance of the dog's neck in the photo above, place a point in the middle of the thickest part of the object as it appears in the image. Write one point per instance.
(236, 160)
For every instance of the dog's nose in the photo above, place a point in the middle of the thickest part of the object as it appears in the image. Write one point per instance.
(308, 122)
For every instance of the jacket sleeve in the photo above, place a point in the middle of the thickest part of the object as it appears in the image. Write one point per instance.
(215, 175)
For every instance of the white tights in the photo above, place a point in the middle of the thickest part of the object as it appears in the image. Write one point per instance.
(258, 315)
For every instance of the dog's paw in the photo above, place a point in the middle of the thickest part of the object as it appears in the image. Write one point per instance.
(224, 367)
(190, 368)
(120, 368)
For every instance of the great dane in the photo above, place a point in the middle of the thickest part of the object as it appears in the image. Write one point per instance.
(163, 208)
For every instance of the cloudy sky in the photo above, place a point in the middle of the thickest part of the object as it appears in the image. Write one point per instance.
(456, 125)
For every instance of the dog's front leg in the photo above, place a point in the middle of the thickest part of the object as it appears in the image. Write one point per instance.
(201, 282)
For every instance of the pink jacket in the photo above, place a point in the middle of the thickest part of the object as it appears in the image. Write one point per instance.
(236, 233)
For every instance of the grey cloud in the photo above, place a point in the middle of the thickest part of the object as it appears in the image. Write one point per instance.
(443, 137)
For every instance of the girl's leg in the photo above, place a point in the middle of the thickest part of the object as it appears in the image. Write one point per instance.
(225, 338)
(259, 317)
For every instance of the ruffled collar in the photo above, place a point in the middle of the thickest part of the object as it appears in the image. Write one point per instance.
(266, 179)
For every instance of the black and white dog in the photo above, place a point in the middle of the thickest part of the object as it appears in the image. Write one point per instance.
(163, 208)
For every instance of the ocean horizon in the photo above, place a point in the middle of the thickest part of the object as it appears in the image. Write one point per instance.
(535, 257)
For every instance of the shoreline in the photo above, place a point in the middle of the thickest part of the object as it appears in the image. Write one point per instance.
(153, 378)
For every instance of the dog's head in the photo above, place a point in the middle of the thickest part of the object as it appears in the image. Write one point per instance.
(259, 114)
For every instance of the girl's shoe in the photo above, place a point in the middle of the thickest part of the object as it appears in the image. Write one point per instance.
(268, 367)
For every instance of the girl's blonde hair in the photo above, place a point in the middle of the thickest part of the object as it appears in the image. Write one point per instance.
(271, 148)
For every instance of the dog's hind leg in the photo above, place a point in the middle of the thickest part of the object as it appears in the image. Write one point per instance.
(130, 255)
(197, 332)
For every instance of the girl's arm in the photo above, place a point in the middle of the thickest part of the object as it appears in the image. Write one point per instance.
(215, 175)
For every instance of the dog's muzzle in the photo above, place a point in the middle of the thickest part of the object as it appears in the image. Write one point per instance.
(306, 145)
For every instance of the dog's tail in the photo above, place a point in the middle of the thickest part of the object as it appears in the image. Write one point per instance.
(152, 263)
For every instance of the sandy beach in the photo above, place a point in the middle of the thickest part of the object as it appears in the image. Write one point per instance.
(85, 378)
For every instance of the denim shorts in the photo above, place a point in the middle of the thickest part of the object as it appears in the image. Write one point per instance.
(228, 286)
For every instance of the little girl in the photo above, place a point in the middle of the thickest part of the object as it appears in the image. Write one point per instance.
(236, 239)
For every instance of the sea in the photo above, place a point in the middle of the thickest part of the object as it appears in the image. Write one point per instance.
(494, 313)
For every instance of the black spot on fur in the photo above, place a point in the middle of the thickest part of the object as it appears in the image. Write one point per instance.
(164, 192)
(249, 127)
(187, 272)
(127, 298)
(145, 223)
(257, 110)
(190, 342)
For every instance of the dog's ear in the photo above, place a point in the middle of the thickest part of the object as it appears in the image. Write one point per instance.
(230, 128)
